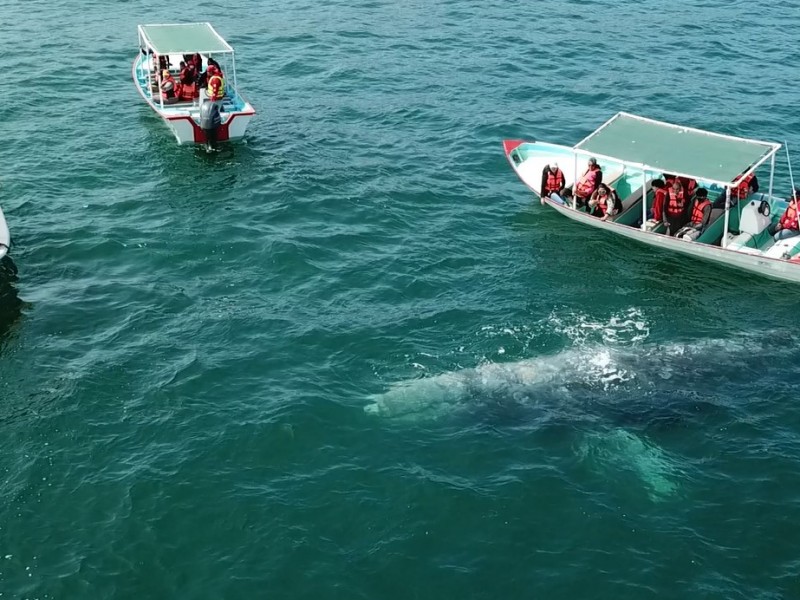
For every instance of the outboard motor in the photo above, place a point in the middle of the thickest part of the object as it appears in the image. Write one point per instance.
(210, 120)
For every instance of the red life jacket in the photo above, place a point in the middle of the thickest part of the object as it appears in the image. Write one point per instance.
(555, 181)
(187, 92)
(697, 211)
(658, 203)
(789, 218)
(676, 202)
(602, 204)
(742, 191)
(587, 183)
(169, 91)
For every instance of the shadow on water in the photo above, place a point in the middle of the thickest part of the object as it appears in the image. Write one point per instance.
(22, 398)
(10, 303)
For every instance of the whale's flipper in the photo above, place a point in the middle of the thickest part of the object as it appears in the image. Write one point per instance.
(622, 450)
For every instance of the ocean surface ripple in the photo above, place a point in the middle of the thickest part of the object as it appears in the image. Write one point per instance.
(349, 357)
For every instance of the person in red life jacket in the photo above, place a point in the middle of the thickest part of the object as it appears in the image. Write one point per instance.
(587, 183)
(187, 79)
(655, 216)
(675, 208)
(170, 89)
(746, 187)
(196, 61)
(553, 180)
(604, 202)
(689, 185)
(187, 74)
(699, 216)
(788, 225)
(215, 85)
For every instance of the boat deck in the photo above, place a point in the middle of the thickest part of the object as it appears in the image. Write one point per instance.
(143, 69)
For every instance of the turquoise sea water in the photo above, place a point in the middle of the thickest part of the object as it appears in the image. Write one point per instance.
(188, 342)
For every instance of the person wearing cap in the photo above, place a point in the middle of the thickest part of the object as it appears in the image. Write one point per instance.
(170, 90)
(787, 226)
(215, 85)
(699, 216)
(588, 183)
(553, 180)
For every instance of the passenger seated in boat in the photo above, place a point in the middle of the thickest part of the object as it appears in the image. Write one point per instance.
(587, 183)
(170, 89)
(188, 92)
(197, 62)
(655, 215)
(184, 76)
(553, 180)
(675, 208)
(700, 214)
(788, 226)
(604, 202)
(187, 79)
(687, 183)
(748, 185)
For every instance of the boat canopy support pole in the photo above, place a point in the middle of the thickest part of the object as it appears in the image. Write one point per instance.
(771, 177)
(575, 185)
(158, 79)
(789, 163)
(727, 216)
(233, 65)
(644, 200)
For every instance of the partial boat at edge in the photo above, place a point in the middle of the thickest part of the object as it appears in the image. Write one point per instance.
(5, 236)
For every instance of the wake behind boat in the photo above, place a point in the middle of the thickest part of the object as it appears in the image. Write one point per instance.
(753, 231)
(183, 96)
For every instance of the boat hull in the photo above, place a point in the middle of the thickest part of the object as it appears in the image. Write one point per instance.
(775, 268)
(5, 236)
(183, 119)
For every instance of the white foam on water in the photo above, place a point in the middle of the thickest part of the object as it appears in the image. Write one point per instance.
(627, 327)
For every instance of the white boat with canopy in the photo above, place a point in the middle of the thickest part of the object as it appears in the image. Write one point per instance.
(632, 151)
(164, 47)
